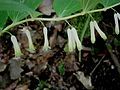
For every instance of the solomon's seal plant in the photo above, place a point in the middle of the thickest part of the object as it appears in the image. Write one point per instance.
(18, 12)
(14, 9)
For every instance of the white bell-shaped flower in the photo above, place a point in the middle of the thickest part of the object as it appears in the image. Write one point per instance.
(101, 33)
(16, 46)
(76, 38)
(93, 26)
(116, 17)
(73, 40)
(30, 43)
(46, 46)
(92, 30)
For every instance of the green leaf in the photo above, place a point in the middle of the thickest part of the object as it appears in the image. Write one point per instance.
(11, 5)
(107, 3)
(33, 4)
(66, 7)
(61, 68)
(3, 19)
(88, 4)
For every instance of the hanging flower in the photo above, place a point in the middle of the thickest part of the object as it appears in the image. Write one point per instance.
(30, 43)
(92, 30)
(46, 46)
(93, 26)
(116, 17)
(76, 38)
(16, 46)
(101, 33)
(73, 40)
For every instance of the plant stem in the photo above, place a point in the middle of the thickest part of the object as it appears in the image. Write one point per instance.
(83, 33)
(56, 19)
(85, 28)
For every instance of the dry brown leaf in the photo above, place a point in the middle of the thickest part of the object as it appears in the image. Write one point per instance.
(2, 66)
(22, 87)
(61, 41)
(46, 7)
(70, 63)
(12, 86)
(86, 81)
(53, 38)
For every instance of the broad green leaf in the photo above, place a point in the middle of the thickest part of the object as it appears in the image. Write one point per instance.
(11, 5)
(88, 4)
(33, 4)
(66, 7)
(3, 18)
(107, 3)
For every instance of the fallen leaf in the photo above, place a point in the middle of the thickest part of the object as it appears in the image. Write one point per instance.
(61, 41)
(46, 7)
(2, 66)
(40, 67)
(70, 63)
(12, 86)
(53, 39)
(72, 88)
(15, 69)
(86, 81)
(30, 64)
(4, 80)
(59, 26)
(22, 87)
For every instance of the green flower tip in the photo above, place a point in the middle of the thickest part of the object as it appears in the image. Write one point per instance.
(31, 47)
(16, 46)
(46, 46)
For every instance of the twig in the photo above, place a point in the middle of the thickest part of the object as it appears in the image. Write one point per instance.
(97, 65)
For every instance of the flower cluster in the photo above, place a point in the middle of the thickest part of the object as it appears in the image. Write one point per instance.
(73, 40)
(31, 47)
(93, 26)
